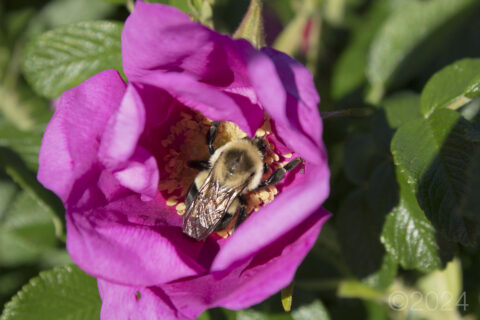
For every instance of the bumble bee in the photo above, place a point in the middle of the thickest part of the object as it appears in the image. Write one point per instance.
(216, 195)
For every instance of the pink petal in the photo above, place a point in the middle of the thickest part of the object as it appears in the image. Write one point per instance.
(134, 249)
(123, 130)
(289, 209)
(71, 140)
(158, 37)
(293, 110)
(140, 174)
(252, 280)
(211, 102)
(139, 303)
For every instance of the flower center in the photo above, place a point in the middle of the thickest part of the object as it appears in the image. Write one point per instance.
(186, 141)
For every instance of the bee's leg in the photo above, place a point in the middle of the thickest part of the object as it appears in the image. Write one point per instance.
(199, 165)
(242, 212)
(228, 216)
(266, 167)
(279, 174)
(191, 194)
(211, 135)
(226, 219)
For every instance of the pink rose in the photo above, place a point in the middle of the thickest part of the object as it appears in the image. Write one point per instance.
(115, 153)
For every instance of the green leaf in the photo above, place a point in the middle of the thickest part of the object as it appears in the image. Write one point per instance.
(401, 107)
(64, 57)
(470, 203)
(409, 27)
(452, 87)
(23, 117)
(251, 27)
(61, 293)
(349, 73)
(62, 12)
(16, 169)
(312, 311)
(432, 155)
(384, 277)
(26, 231)
(394, 111)
(409, 237)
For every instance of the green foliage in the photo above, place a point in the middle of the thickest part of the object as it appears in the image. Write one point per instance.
(62, 293)
(64, 57)
(15, 167)
(395, 51)
(432, 155)
(409, 236)
(452, 87)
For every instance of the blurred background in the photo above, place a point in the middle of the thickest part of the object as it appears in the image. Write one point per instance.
(369, 59)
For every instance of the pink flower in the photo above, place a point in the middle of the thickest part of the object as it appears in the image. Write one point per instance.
(115, 153)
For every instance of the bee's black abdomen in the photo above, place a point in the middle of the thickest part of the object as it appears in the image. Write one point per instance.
(191, 194)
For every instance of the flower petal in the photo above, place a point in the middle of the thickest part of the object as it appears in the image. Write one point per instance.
(70, 144)
(158, 37)
(211, 102)
(287, 94)
(123, 130)
(139, 303)
(290, 208)
(140, 174)
(274, 268)
(133, 250)
(252, 280)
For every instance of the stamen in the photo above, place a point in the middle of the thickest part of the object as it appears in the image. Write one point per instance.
(186, 142)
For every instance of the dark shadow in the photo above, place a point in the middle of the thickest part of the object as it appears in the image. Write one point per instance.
(442, 186)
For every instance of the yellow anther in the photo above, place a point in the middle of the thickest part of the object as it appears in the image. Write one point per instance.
(172, 201)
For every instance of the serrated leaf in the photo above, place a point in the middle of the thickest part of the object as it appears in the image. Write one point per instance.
(312, 311)
(432, 155)
(64, 57)
(470, 203)
(452, 87)
(410, 26)
(409, 237)
(61, 293)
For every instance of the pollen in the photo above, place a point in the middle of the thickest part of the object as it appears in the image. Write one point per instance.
(181, 208)
(172, 201)
(186, 141)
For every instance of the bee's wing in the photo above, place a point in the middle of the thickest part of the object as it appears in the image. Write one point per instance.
(208, 207)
